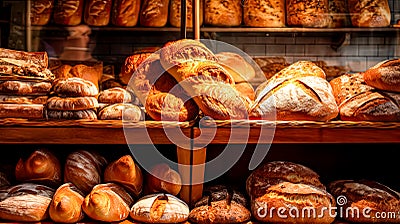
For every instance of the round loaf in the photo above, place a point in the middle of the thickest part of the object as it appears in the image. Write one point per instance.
(121, 111)
(114, 95)
(66, 204)
(384, 75)
(237, 66)
(365, 13)
(264, 13)
(72, 103)
(223, 13)
(71, 114)
(24, 88)
(308, 13)
(74, 87)
(246, 89)
(162, 178)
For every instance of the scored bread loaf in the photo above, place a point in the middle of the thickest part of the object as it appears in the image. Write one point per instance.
(121, 111)
(66, 205)
(13, 87)
(366, 13)
(131, 65)
(154, 13)
(264, 13)
(125, 12)
(97, 12)
(68, 12)
(238, 67)
(161, 178)
(384, 75)
(223, 13)
(23, 99)
(72, 103)
(307, 13)
(71, 114)
(28, 111)
(114, 95)
(175, 13)
(74, 87)
(41, 11)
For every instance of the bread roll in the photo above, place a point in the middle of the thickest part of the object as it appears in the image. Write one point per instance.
(71, 114)
(84, 169)
(25, 202)
(28, 111)
(41, 11)
(121, 111)
(74, 87)
(365, 13)
(72, 103)
(175, 13)
(108, 203)
(307, 13)
(114, 95)
(154, 13)
(41, 166)
(161, 178)
(125, 12)
(160, 208)
(23, 99)
(223, 13)
(125, 172)
(237, 66)
(370, 198)
(24, 88)
(360, 102)
(264, 13)
(298, 92)
(97, 12)
(338, 11)
(384, 75)
(66, 204)
(68, 12)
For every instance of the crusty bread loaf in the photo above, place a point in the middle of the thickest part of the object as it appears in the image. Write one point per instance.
(23, 99)
(223, 13)
(307, 13)
(175, 13)
(71, 114)
(68, 12)
(154, 13)
(264, 13)
(384, 75)
(108, 203)
(74, 87)
(358, 101)
(298, 92)
(41, 11)
(114, 95)
(131, 65)
(338, 12)
(66, 205)
(162, 178)
(365, 13)
(121, 111)
(238, 67)
(29, 111)
(97, 12)
(365, 195)
(72, 103)
(160, 208)
(24, 88)
(125, 12)
(42, 166)
(246, 89)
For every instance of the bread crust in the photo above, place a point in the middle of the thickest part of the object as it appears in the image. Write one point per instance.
(24, 88)
(72, 103)
(66, 204)
(74, 87)
(97, 12)
(71, 114)
(154, 13)
(28, 111)
(384, 75)
(175, 13)
(365, 13)
(41, 12)
(125, 12)
(114, 95)
(68, 12)
(223, 13)
(121, 111)
(264, 13)
(307, 13)
(23, 99)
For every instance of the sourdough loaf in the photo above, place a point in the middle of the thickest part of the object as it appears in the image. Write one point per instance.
(125, 12)
(114, 95)
(121, 111)
(307, 13)
(74, 87)
(154, 13)
(66, 205)
(238, 67)
(384, 75)
(72, 103)
(28, 111)
(223, 13)
(71, 114)
(68, 12)
(41, 11)
(97, 12)
(264, 13)
(23, 99)
(24, 88)
(365, 13)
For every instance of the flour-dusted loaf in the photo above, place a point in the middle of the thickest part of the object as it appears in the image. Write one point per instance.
(175, 13)
(160, 208)
(338, 11)
(91, 73)
(298, 92)
(369, 198)
(66, 205)
(223, 13)
(154, 13)
(29, 111)
(307, 13)
(132, 64)
(41, 11)
(366, 13)
(23, 99)
(125, 12)
(97, 12)
(358, 101)
(72, 103)
(114, 95)
(384, 75)
(68, 12)
(264, 13)
(74, 87)
(24, 88)
(121, 111)
(71, 114)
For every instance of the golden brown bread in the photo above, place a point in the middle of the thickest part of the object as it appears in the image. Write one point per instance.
(125, 172)
(71, 114)
(175, 13)
(97, 12)
(307, 13)
(40, 59)
(237, 66)
(24, 88)
(161, 178)
(28, 111)
(68, 12)
(132, 63)
(384, 75)
(71, 103)
(160, 208)
(42, 166)
(121, 111)
(74, 87)
(223, 13)
(365, 195)
(246, 89)
(154, 13)
(84, 169)
(25, 202)
(264, 13)
(125, 12)
(41, 11)
(108, 203)
(66, 204)
(366, 13)
(114, 95)
(23, 99)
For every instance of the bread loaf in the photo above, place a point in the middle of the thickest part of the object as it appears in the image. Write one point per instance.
(74, 87)
(23, 99)
(40, 59)
(298, 92)
(223, 13)
(24, 88)
(175, 13)
(25, 202)
(338, 11)
(84, 169)
(121, 111)
(66, 204)
(125, 172)
(72, 103)
(42, 166)
(358, 101)
(264, 13)
(41, 11)
(68, 12)
(247, 90)
(90, 73)
(371, 200)
(108, 203)
(160, 208)
(307, 13)
(237, 66)
(114, 95)
(125, 12)
(132, 63)
(154, 13)
(384, 75)
(28, 111)
(162, 178)
(365, 13)
(71, 114)
(97, 12)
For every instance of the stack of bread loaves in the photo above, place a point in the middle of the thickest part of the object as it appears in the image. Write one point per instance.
(25, 83)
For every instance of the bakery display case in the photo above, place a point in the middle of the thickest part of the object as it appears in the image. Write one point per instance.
(223, 164)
